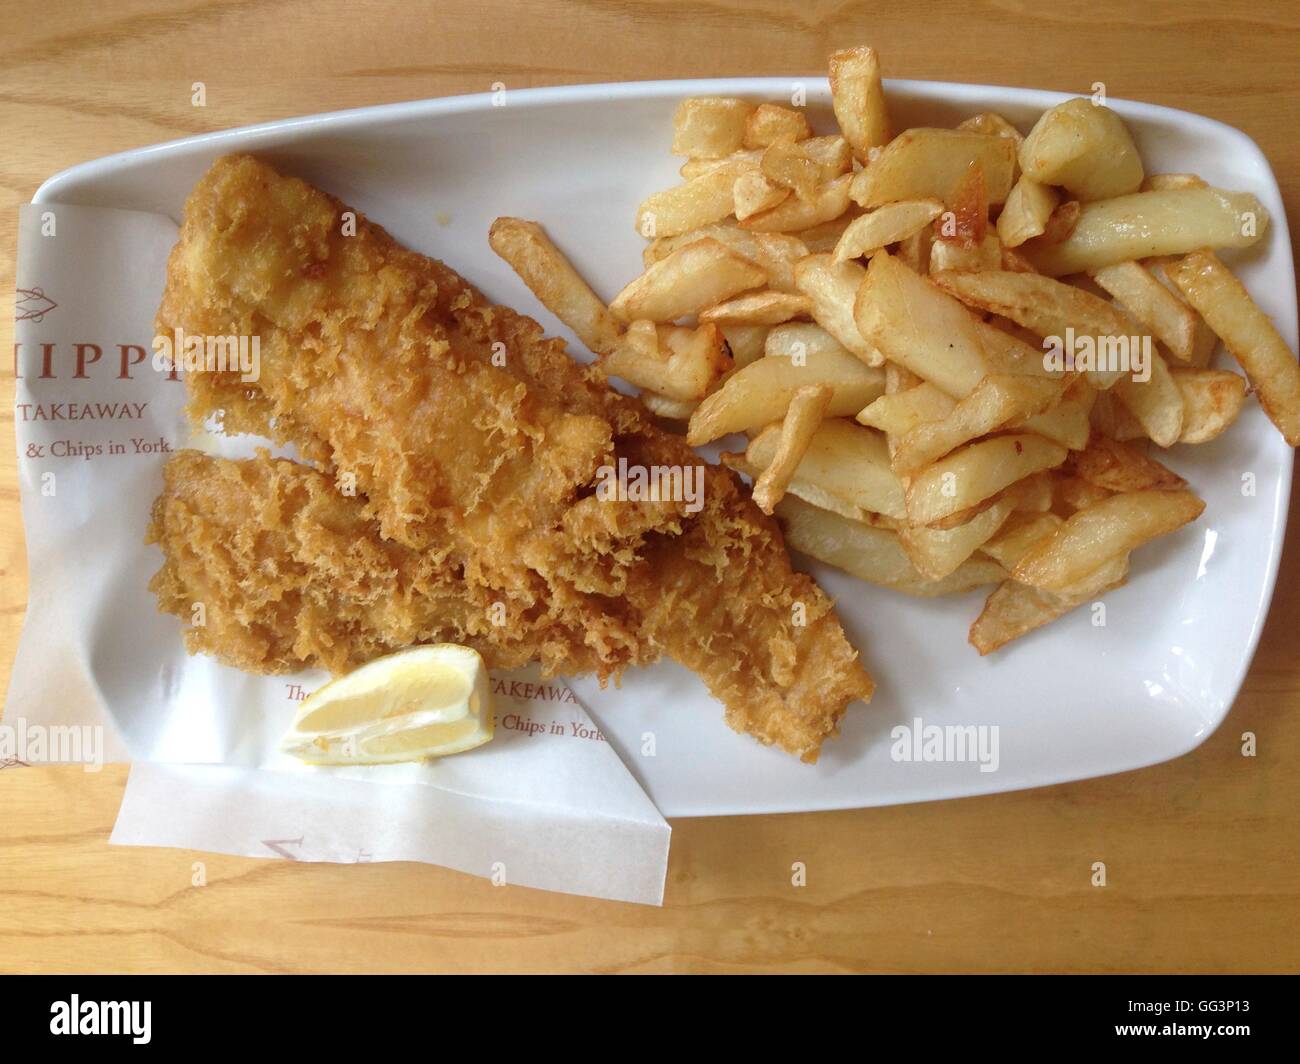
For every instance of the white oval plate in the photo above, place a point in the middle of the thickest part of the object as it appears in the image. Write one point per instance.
(1068, 702)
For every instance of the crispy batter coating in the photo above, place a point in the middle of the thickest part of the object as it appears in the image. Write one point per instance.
(475, 446)
(290, 572)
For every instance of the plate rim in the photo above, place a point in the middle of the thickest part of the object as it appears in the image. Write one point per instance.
(582, 92)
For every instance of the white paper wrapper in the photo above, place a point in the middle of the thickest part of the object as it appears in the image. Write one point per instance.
(547, 803)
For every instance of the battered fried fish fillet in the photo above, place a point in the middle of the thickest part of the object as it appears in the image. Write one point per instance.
(291, 573)
(477, 445)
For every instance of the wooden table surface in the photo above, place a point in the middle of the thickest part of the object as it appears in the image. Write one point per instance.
(1200, 853)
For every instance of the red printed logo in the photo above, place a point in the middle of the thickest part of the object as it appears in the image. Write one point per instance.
(33, 304)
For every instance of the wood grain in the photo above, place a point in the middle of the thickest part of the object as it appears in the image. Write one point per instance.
(1201, 852)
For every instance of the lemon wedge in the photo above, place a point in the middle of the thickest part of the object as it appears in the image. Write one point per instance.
(428, 701)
